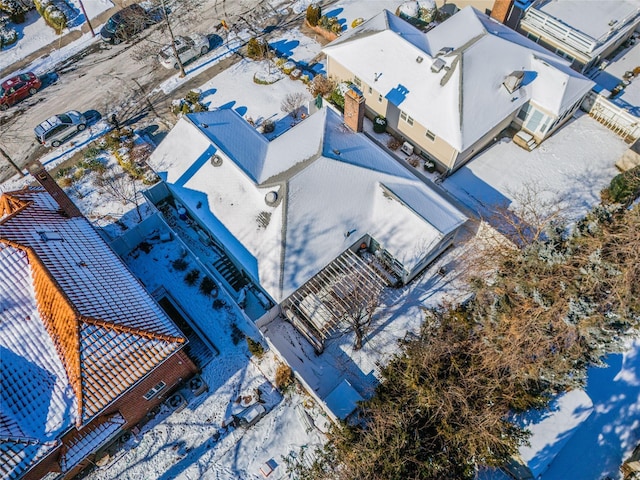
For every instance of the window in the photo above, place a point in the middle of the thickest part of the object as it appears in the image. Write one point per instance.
(544, 126)
(522, 114)
(533, 37)
(370, 90)
(380, 98)
(430, 135)
(406, 118)
(534, 120)
(152, 393)
(357, 81)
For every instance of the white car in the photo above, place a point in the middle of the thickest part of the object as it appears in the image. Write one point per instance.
(188, 48)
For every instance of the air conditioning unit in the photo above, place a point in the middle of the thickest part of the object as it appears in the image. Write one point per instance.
(407, 148)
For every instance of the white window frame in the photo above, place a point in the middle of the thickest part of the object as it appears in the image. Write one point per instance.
(430, 135)
(406, 118)
(357, 81)
(155, 390)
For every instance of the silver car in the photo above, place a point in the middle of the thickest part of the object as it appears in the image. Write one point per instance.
(188, 48)
(55, 130)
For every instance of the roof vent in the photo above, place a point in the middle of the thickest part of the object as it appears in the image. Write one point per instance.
(437, 65)
(204, 125)
(216, 160)
(336, 151)
(49, 235)
(419, 59)
(271, 198)
(513, 81)
(444, 51)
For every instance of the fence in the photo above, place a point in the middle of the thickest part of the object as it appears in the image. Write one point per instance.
(613, 117)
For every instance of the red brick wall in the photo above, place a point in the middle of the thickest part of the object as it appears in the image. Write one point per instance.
(132, 406)
(353, 110)
(500, 9)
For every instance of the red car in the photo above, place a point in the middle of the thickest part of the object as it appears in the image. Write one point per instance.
(18, 88)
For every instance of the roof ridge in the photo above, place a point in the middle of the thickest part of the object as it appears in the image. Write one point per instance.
(127, 329)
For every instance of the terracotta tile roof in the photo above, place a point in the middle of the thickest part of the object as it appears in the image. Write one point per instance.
(58, 277)
(88, 440)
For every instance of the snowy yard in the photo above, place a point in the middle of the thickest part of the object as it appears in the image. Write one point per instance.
(193, 443)
(35, 33)
(571, 167)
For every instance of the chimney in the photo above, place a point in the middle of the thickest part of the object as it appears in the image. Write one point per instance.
(42, 176)
(501, 10)
(354, 109)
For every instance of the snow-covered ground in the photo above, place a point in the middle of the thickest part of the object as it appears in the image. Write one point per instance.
(569, 169)
(34, 33)
(574, 165)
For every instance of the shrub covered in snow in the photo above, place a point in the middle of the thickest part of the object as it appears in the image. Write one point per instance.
(268, 76)
(189, 104)
(53, 13)
(8, 35)
(420, 12)
(16, 9)
(331, 24)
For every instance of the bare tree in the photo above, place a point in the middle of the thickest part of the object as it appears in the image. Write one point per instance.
(293, 103)
(321, 85)
(357, 294)
(119, 185)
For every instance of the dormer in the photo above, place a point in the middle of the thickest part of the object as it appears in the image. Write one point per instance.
(513, 81)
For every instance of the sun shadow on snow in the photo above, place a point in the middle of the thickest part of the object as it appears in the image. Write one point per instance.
(334, 13)
(285, 48)
(227, 105)
(614, 392)
(35, 382)
(31, 17)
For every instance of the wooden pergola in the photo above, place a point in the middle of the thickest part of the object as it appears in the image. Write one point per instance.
(323, 303)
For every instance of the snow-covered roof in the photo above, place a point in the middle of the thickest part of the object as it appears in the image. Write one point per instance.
(77, 328)
(331, 187)
(465, 99)
(342, 400)
(594, 18)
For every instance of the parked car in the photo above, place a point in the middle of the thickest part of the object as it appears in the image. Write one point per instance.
(55, 130)
(251, 415)
(18, 88)
(126, 23)
(188, 48)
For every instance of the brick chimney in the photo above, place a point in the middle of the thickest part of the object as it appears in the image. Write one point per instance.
(354, 109)
(501, 10)
(62, 199)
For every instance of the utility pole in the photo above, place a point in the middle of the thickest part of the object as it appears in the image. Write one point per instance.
(173, 40)
(13, 164)
(84, 12)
